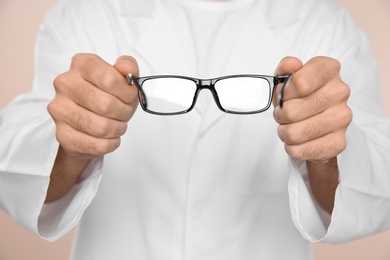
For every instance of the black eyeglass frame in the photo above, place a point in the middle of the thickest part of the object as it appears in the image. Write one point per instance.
(210, 85)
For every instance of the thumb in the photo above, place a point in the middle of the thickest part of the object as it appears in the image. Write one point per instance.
(288, 65)
(127, 64)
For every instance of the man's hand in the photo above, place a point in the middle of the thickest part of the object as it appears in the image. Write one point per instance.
(315, 114)
(313, 121)
(92, 106)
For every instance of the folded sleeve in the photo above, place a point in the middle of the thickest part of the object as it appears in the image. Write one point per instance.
(362, 202)
(28, 145)
(59, 217)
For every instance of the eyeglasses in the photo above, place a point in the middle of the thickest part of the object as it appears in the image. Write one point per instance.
(235, 94)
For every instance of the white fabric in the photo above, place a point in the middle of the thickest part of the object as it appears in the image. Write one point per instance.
(202, 185)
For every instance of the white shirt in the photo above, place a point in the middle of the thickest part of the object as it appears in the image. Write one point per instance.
(205, 185)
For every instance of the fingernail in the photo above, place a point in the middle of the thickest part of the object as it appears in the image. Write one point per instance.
(125, 61)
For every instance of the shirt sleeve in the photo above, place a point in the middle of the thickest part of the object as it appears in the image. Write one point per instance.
(28, 145)
(362, 201)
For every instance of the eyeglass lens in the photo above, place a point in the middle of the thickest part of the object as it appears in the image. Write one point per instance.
(243, 94)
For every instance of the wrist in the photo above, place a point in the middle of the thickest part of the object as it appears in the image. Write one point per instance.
(65, 174)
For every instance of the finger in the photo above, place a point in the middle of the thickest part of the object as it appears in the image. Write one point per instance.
(84, 120)
(312, 76)
(320, 149)
(82, 145)
(127, 64)
(298, 109)
(104, 76)
(89, 97)
(288, 65)
(329, 121)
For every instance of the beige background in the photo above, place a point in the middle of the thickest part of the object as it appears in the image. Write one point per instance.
(19, 21)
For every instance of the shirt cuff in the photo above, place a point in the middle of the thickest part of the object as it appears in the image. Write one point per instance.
(362, 201)
(59, 217)
(310, 219)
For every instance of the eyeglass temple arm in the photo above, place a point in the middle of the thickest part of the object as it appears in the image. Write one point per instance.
(133, 81)
(286, 79)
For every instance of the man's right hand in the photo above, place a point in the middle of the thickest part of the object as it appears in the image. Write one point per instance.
(92, 106)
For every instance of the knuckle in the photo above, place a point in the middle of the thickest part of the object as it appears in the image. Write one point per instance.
(328, 65)
(326, 68)
(293, 151)
(345, 90)
(120, 129)
(115, 143)
(347, 115)
(65, 143)
(102, 128)
(51, 107)
(105, 146)
(276, 115)
(289, 114)
(60, 81)
(57, 81)
(340, 116)
(60, 134)
(301, 84)
(109, 81)
(336, 65)
(54, 109)
(340, 90)
(341, 145)
(85, 62)
(78, 59)
(288, 134)
(106, 106)
(331, 64)
(67, 140)
(125, 113)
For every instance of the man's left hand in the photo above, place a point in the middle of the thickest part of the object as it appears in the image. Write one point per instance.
(315, 114)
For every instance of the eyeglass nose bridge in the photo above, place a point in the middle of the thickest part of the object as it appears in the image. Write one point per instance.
(208, 84)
